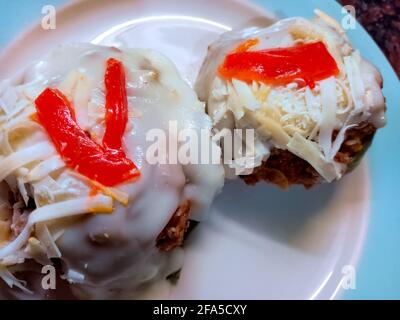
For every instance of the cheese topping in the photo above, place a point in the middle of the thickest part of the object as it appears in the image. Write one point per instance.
(295, 116)
(112, 253)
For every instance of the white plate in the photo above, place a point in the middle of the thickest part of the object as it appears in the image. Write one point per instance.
(260, 242)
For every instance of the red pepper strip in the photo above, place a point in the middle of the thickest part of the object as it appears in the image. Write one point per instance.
(304, 63)
(79, 151)
(116, 105)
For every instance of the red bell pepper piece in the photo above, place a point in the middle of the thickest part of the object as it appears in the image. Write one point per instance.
(107, 163)
(304, 63)
(116, 104)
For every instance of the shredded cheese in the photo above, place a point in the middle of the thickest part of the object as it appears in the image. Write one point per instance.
(309, 151)
(245, 95)
(44, 168)
(22, 157)
(12, 281)
(355, 79)
(280, 114)
(328, 122)
(45, 237)
(98, 203)
(114, 193)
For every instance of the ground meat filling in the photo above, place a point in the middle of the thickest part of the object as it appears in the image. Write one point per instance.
(356, 144)
(285, 169)
(174, 232)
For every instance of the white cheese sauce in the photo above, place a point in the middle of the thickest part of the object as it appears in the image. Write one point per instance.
(115, 255)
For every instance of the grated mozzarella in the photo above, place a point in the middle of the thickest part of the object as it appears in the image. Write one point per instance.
(40, 151)
(328, 121)
(99, 203)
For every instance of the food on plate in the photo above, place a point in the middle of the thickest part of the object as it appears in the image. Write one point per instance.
(313, 101)
(77, 190)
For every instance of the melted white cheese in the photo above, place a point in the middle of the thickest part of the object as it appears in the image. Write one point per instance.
(114, 255)
(280, 113)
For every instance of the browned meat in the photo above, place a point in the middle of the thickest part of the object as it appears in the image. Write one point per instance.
(285, 169)
(19, 218)
(356, 144)
(174, 232)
